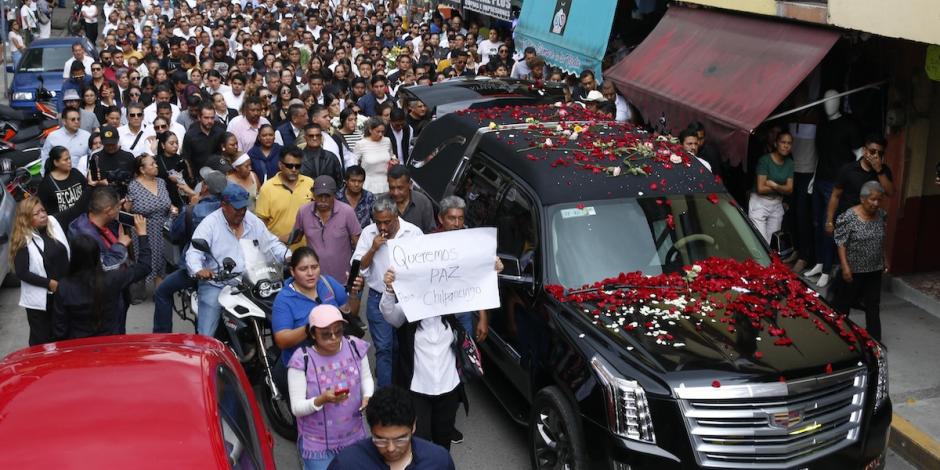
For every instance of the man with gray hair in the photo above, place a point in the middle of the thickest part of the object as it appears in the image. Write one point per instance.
(373, 254)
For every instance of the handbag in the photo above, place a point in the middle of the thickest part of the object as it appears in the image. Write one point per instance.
(469, 358)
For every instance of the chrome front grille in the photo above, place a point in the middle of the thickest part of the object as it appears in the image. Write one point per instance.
(774, 425)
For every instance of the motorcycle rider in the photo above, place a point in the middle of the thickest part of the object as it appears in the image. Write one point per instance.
(224, 230)
(205, 202)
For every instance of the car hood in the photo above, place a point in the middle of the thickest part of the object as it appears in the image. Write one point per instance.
(29, 81)
(667, 331)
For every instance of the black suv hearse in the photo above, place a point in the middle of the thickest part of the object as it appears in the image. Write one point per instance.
(644, 323)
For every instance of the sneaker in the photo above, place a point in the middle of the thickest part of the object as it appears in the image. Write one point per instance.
(823, 280)
(817, 270)
(457, 438)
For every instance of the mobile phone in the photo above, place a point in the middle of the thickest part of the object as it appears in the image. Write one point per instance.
(126, 218)
(938, 170)
(353, 274)
(341, 391)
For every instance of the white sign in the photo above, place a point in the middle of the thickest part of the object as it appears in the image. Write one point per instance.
(447, 272)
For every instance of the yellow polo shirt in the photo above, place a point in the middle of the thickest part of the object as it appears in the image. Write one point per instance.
(277, 205)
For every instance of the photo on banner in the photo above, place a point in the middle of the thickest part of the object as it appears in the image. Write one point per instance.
(448, 272)
(560, 18)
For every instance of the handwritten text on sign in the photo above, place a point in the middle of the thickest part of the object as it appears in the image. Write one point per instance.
(448, 272)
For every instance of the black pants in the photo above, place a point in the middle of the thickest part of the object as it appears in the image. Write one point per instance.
(865, 287)
(91, 32)
(436, 415)
(40, 325)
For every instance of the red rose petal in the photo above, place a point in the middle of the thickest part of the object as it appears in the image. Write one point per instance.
(758, 355)
(829, 368)
(713, 198)
(580, 206)
(716, 384)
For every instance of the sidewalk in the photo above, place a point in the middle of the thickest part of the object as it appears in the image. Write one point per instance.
(911, 321)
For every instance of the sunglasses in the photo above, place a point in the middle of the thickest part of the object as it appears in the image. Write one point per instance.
(291, 166)
(135, 114)
(314, 136)
(160, 127)
(135, 78)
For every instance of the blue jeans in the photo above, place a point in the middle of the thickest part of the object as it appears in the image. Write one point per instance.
(825, 245)
(466, 320)
(207, 319)
(163, 299)
(383, 338)
(318, 464)
(15, 56)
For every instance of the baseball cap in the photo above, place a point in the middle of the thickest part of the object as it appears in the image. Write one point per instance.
(324, 184)
(219, 163)
(595, 96)
(324, 315)
(215, 180)
(109, 135)
(235, 195)
(70, 94)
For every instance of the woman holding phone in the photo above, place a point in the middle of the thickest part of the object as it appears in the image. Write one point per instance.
(330, 384)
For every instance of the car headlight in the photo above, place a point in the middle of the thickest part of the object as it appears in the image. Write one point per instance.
(881, 389)
(627, 408)
(23, 96)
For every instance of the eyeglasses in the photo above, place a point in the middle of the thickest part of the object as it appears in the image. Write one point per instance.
(314, 136)
(135, 78)
(291, 166)
(135, 114)
(875, 151)
(396, 442)
(136, 94)
(96, 69)
(334, 333)
(160, 127)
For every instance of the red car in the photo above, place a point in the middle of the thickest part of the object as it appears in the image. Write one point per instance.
(134, 401)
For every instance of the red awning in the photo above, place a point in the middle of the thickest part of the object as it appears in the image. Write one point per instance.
(728, 71)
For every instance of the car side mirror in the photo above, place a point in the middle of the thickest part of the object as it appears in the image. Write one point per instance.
(514, 270)
(228, 264)
(201, 245)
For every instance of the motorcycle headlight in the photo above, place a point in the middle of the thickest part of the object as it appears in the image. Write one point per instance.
(881, 389)
(264, 289)
(23, 96)
(627, 407)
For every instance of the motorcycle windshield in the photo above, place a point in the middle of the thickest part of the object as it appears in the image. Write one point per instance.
(258, 265)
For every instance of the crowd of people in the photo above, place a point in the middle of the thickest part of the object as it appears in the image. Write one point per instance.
(227, 121)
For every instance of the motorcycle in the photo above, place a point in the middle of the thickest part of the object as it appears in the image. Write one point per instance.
(28, 128)
(245, 325)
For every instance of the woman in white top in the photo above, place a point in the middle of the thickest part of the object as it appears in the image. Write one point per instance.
(17, 43)
(375, 156)
(90, 20)
(28, 18)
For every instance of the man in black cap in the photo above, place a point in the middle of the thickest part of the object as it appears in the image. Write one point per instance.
(111, 166)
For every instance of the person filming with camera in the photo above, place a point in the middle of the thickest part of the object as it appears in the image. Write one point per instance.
(112, 166)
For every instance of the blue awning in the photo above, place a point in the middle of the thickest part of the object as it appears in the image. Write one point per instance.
(570, 34)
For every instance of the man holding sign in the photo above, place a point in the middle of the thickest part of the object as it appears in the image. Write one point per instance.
(373, 254)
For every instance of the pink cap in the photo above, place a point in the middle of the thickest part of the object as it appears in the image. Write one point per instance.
(324, 315)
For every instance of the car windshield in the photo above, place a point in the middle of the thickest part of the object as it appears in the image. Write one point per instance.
(48, 59)
(592, 241)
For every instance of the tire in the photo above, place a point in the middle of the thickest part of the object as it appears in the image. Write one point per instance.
(279, 414)
(556, 440)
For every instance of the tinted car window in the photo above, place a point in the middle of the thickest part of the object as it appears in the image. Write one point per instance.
(516, 229)
(595, 240)
(481, 192)
(51, 59)
(238, 430)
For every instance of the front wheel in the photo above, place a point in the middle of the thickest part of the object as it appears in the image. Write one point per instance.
(556, 439)
(279, 414)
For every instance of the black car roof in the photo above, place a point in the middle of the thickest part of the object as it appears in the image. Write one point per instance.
(477, 91)
(535, 143)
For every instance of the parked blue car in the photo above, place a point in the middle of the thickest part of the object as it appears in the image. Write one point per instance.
(46, 58)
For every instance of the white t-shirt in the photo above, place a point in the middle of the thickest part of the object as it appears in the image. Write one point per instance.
(487, 49)
(86, 61)
(90, 13)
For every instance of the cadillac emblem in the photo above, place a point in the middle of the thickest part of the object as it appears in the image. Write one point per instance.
(785, 419)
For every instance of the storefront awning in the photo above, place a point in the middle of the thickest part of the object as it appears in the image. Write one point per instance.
(571, 36)
(728, 71)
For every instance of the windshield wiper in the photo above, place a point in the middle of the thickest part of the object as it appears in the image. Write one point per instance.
(609, 286)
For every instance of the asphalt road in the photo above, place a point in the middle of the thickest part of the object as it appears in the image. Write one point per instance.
(491, 439)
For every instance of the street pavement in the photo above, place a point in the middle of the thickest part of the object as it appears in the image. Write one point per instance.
(491, 439)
